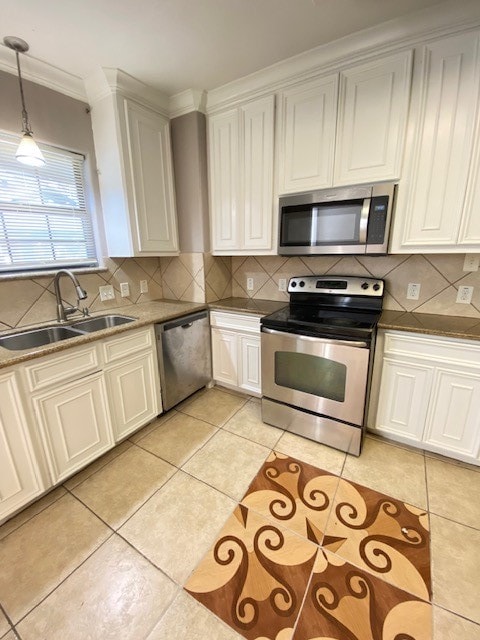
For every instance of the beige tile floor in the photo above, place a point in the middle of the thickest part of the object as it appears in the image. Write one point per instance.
(106, 554)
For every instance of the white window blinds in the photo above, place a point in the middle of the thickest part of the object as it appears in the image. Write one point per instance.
(44, 222)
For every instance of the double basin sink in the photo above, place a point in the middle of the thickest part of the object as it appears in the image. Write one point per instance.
(47, 335)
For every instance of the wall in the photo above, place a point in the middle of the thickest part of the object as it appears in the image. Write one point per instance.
(189, 148)
(439, 275)
(58, 120)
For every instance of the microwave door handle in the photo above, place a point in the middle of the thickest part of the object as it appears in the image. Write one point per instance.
(362, 236)
(296, 336)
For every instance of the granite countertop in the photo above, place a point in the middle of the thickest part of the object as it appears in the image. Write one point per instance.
(248, 305)
(145, 314)
(163, 310)
(431, 324)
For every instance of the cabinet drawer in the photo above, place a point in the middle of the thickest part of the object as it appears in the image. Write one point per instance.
(431, 348)
(128, 344)
(235, 321)
(66, 366)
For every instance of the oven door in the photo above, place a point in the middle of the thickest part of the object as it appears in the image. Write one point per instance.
(321, 375)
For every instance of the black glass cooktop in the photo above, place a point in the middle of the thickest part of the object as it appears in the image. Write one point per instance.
(308, 320)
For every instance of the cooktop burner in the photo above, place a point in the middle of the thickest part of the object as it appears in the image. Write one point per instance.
(346, 307)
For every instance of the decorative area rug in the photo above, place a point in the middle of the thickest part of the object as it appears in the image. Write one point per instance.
(310, 556)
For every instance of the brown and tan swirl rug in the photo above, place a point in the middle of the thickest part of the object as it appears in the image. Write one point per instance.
(307, 555)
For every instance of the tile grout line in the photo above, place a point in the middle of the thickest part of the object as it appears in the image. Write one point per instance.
(458, 615)
(65, 578)
(33, 515)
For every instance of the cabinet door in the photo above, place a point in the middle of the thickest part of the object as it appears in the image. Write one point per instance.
(373, 107)
(257, 173)
(307, 135)
(404, 398)
(132, 391)
(223, 135)
(150, 163)
(225, 356)
(75, 424)
(469, 237)
(249, 377)
(453, 425)
(440, 139)
(19, 474)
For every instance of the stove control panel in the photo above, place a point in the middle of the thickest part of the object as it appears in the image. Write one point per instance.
(340, 285)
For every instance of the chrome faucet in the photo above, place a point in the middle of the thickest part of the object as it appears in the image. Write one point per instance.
(63, 311)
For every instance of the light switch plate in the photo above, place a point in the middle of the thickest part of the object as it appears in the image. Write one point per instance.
(106, 292)
(282, 284)
(249, 284)
(124, 289)
(143, 286)
(471, 262)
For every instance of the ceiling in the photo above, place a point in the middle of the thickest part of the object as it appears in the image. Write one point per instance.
(174, 45)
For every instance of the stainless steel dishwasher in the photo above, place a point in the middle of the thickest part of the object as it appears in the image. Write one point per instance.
(184, 357)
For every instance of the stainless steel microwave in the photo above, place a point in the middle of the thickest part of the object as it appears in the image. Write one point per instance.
(354, 220)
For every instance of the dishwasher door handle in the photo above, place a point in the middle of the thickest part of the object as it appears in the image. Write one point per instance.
(187, 326)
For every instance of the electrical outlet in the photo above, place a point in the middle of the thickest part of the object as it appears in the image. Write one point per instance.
(282, 284)
(143, 286)
(249, 284)
(124, 289)
(464, 295)
(413, 291)
(471, 262)
(106, 292)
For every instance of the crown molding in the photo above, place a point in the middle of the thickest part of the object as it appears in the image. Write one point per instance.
(404, 32)
(106, 82)
(42, 73)
(188, 101)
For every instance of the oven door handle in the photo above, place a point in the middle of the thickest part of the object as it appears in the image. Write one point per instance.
(296, 336)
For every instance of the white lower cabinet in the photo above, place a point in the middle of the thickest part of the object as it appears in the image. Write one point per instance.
(429, 394)
(131, 375)
(20, 478)
(236, 351)
(249, 374)
(75, 424)
(60, 412)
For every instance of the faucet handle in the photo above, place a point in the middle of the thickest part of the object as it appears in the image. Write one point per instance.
(85, 311)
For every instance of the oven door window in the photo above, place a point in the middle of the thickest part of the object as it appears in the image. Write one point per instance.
(322, 224)
(318, 376)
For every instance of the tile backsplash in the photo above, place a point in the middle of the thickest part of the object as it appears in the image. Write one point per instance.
(439, 275)
(192, 277)
(201, 277)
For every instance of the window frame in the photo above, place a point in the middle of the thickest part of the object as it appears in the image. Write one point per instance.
(55, 235)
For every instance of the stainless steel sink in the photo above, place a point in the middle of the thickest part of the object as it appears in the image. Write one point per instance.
(37, 337)
(102, 322)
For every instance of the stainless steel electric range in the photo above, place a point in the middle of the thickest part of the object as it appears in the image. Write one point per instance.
(317, 357)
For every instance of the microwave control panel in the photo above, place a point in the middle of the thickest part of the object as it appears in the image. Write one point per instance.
(377, 220)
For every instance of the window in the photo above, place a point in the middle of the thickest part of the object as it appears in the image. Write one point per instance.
(44, 222)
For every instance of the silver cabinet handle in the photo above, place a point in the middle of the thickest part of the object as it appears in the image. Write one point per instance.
(296, 336)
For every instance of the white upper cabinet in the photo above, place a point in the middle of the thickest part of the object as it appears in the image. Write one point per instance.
(307, 116)
(372, 118)
(440, 192)
(241, 178)
(360, 139)
(224, 183)
(150, 166)
(134, 161)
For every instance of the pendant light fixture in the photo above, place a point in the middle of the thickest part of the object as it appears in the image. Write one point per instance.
(28, 151)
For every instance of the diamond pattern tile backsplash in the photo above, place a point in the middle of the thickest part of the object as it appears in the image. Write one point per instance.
(192, 277)
(199, 277)
(439, 277)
